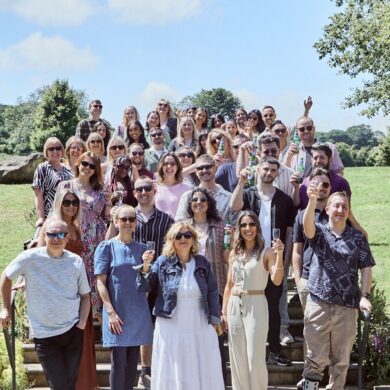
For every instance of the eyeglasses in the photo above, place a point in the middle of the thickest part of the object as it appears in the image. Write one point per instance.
(143, 188)
(137, 154)
(67, 202)
(188, 155)
(250, 224)
(117, 147)
(268, 115)
(216, 139)
(124, 166)
(163, 105)
(187, 235)
(271, 152)
(235, 146)
(169, 164)
(95, 141)
(303, 128)
(156, 135)
(202, 199)
(99, 106)
(279, 131)
(127, 219)
(59, 235)
(54, 148)
(76, 148)
(207, 167)
(87, 164)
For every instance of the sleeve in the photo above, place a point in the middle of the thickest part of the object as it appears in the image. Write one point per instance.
(213, 296)
(78, 129)
(17, 266)
(290, 212)
(172, 146)
(181, 212)
(38, 179)
(102, 258)
(148, 282)
(83, 285)
(298, 235)
(365, 255)
(336, 165)
(316, 240)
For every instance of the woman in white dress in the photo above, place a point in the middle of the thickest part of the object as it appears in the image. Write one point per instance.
(185, 343)
(245, 308)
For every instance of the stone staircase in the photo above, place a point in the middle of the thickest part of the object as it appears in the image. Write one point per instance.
(278, 377)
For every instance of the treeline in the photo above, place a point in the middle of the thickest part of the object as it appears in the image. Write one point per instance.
(55, 110)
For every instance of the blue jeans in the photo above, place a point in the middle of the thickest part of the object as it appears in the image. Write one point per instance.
(123, 367)
(60, 358)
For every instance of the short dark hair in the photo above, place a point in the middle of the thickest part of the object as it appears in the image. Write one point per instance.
(269, 139)
(319, 172)
(265, 107)
(323, 147)
(95, 101)
(270, 160)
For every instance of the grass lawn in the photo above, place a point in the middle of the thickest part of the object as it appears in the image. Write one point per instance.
(370, 204)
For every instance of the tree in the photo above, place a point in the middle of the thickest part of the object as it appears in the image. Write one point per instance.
(361, 136)
(357, 43)
(346, 156)
(57, 114)
(335, 136)
(383, 157)
(214, 100)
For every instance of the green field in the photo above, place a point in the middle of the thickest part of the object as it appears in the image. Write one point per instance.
(370, 204)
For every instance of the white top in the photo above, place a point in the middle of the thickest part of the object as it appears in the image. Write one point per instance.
(265, 221)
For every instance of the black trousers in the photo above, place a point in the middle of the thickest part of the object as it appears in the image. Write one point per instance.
(273, 294)
(123, 367)
(60, 358)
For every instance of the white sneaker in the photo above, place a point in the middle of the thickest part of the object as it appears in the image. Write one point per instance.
(285, 337)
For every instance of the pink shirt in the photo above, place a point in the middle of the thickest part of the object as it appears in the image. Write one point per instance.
(168, 197)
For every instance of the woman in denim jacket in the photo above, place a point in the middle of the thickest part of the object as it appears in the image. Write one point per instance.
(185, 344)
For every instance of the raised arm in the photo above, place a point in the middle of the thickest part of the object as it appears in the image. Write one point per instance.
(308, 216)
(237, 199)
(307, 104)
(274, 262)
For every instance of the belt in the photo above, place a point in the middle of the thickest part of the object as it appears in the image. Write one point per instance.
(240, 293)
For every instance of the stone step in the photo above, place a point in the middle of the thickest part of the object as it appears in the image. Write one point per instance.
(277, 376)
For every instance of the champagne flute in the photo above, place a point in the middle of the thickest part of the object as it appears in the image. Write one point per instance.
(275, 234)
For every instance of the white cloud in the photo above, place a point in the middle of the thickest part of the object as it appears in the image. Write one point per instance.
(37, 52)
(156, 12)
(51, 12)
(154, 91)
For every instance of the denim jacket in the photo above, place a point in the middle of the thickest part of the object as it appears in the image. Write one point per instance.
(165, 276)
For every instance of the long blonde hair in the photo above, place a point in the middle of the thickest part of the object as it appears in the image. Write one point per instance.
(57, 205)
(168, 249)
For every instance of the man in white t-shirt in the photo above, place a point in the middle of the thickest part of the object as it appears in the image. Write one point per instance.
(58, 303)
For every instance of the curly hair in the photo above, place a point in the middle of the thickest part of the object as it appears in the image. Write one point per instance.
(212, 212)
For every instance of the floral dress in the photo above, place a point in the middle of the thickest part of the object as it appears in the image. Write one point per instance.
(93, 230)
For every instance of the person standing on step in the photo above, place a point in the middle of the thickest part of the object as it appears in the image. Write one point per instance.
(58, 303)
(339, 251)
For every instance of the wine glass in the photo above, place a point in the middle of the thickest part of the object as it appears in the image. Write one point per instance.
(275, 234)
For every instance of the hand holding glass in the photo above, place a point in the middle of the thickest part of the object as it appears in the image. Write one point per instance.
(275, 234)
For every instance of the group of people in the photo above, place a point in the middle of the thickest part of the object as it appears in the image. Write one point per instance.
(174, 236)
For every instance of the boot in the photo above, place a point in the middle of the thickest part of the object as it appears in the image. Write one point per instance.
(310, 385)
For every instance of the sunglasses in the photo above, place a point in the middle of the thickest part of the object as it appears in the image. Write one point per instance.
(59, 235)
(188, 155)
(207, 167)
(187, 235)
(216, 139)
(98, 106)
(95, 141)
(54, 148)
(156, 135)
(76, 148)
(303, 128)
(202, 199)
(271, 152)
(169, 164)
(137, 154)
(143, 188)
(163, 105)
(268, 115)
(324, 185)
(279, 131)
(250, 224)
(117, 147)
(87, 164)
(127, 219)
(235, 146)
(124, 166)
(67, 202)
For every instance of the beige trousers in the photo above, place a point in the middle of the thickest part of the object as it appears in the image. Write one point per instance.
(330, 332)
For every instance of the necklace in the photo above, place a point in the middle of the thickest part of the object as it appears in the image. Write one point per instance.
(203, 227)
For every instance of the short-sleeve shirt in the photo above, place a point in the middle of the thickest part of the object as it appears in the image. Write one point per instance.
(334, 267)
(117, 260)
(46, 179)
(320, 216)
(53, 289)
(85, 126)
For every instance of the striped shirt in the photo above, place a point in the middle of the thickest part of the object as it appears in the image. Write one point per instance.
(154, 229)
(283, 180)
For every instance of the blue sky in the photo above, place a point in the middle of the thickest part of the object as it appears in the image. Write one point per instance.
(138, 51)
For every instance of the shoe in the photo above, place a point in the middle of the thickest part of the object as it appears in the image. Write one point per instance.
(300, 384)
(279, 359)
(144, 381)
(299, 338)
(285, 337)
